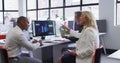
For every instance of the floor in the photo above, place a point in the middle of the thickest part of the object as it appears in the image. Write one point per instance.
(105, 59)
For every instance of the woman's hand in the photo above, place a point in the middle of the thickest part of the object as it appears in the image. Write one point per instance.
(66, 28)
(72, 52)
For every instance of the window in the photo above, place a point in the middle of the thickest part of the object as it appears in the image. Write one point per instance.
(56, 3)
(8, 10)
(43, 15)
(1, 17)
(90, 1)
(31, 4)
(58, 10)
(0, 4)
(43, 3)
(1, 14)
(11, 4)
(56, 14)
(70, 12)
(72, 2)
(32, 16)
(118, 14)
(9, 15)
(93, 9)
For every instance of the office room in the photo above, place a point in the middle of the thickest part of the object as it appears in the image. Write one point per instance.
(43, 31)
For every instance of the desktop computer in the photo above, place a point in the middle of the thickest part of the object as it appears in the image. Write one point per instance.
(43, 28)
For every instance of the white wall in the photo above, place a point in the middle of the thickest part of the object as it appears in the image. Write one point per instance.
(107, 10)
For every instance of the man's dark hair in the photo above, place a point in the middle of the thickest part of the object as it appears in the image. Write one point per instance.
(21, 18)
(78, 13)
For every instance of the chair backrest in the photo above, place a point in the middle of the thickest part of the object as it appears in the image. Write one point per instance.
(2, 36)
(3, 55)
(97, 55)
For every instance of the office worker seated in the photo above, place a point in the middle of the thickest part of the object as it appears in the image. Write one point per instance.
(87, 43)
(15, 40)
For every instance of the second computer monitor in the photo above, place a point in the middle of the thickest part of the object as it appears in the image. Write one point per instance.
(75, 26)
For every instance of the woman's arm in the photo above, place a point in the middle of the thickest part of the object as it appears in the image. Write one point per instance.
(72, 32)
(75, 33)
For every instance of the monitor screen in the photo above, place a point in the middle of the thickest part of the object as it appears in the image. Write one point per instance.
(102, 26)
(75, 26)
(43, 28)
(78, 27)
(71, 24)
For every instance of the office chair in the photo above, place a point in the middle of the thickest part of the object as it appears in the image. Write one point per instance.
(3, 55)
(2, 37)
(97, 55)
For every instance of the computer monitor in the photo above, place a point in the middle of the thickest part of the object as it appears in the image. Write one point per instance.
(78, 27)
(43, 28)
(102, 25)
(71, 24)
(75, 26)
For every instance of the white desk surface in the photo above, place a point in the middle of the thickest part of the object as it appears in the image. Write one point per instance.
(115, 55)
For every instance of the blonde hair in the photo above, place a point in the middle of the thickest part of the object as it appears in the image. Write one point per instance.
(91, 22)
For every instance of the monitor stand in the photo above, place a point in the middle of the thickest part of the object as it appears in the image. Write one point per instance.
(43, 37)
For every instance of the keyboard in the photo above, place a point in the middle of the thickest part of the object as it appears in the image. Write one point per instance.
(45, 41)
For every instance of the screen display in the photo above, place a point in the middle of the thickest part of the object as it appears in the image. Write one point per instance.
(78, 27)
(102, 26)
(43, 28)
(75, 26)
(71, 24)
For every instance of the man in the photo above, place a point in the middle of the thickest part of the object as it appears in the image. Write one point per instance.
(15, 40)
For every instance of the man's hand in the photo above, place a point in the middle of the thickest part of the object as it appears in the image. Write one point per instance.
(34, 41)
(40, 41)
(37, 41)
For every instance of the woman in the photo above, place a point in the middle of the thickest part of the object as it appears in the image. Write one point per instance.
(87, 43)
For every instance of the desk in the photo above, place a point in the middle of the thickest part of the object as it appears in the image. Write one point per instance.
(51, 51)
(115, 55)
